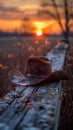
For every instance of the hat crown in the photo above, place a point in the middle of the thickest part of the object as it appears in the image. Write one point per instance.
(38, 66)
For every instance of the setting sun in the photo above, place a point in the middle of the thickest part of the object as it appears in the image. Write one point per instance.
(39, 28)
(39, 33)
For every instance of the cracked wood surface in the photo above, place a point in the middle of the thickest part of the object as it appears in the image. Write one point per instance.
(30, 108)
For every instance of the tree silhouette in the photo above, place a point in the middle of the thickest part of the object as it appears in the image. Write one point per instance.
(26, 25)
(55, 13)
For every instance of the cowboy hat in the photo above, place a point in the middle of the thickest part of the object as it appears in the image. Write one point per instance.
(37, 66)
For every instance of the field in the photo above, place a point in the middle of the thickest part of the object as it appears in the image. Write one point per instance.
(14, 53)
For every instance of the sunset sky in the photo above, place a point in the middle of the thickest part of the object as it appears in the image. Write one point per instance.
(13, 11)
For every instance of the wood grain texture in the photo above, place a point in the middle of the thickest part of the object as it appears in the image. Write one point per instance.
(35, 107)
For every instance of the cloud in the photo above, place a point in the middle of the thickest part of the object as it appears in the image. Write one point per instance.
(12, 0)
(11, 13)
(29, 7)
(9, 9)
(1, 3)
(18, 12)
(9, 1)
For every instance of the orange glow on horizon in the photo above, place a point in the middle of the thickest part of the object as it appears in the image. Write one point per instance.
(40, 24)
(9, 25)
(39, 27)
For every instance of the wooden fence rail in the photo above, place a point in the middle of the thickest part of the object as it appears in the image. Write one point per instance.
(30, 108)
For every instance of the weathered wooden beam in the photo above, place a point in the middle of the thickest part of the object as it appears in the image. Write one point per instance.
(37, 108)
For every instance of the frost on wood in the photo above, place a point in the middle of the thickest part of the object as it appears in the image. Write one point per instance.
(34, 108)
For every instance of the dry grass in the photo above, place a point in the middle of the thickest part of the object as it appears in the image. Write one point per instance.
(14, 53)
(39, 48)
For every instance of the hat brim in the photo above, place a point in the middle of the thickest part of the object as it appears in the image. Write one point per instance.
(36, 81)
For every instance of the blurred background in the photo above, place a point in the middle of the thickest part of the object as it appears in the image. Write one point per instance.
(31, 27)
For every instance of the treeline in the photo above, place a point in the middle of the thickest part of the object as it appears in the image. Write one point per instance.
(14, 34)
(17, 34)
